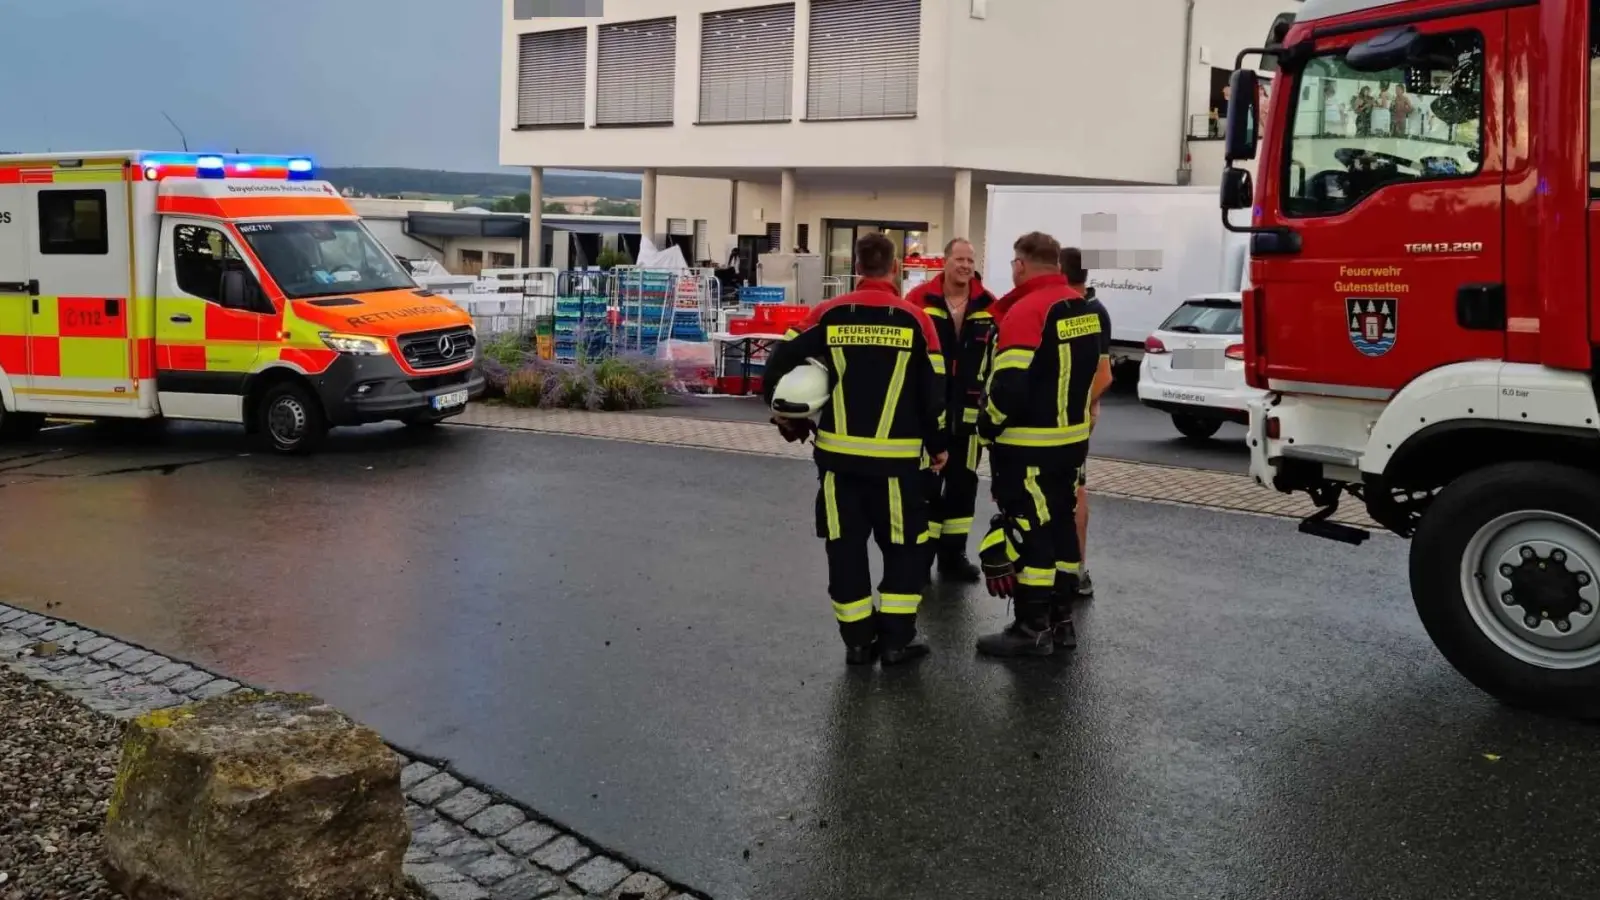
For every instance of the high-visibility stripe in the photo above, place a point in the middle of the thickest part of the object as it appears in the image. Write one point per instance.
(973, 453)
(830, 510)
(937, 359)
(897, 514)
(838, 391)
(935, 529)
(76, 394)
(969, 416)
(900, 604)
(1062, 383)
(89, 176)
(1040, 505)
(853, 612)
(1042, 578)
(958, 526)
(1015, 358)
(893, 448)
(936, 312)
(980, 314)
(1044, 437)
(995, 415)
(943, 420)
(1070, 568)
(891, 400)
(791, 334)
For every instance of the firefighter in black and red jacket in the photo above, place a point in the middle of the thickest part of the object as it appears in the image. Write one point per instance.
(1036, 420)
(959, 306)
(884, 423)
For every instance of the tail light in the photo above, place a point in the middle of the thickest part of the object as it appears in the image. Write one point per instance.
(1152, 344)
(1235, 352)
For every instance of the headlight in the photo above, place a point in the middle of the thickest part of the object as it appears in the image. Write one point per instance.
(357, 344)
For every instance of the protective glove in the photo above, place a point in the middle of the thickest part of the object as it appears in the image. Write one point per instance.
(997, 555)
(795, 429)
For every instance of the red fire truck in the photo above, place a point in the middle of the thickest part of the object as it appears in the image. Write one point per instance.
(1425, 319)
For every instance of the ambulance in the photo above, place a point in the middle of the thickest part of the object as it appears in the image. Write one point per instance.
(216, 288)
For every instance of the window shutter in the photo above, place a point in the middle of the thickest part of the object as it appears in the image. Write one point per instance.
(747, 64)
(638, 69)
(702, 241)
(678, 227)
(550, 78)
(863, 62)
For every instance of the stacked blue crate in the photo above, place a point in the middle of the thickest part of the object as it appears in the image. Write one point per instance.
(580, 325)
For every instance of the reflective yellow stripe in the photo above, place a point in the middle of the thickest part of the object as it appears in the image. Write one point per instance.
(838, 391)
(936, 312)
(891, 400)
(900, 604)
(853, 612)
(1015, 358)
(995, 415)
(897, 514)
(892, 448)
(88, 176)
(791, 334)
(1031, 480)
(1069, 568)
(991, 540)
(973, 452)
(1037, 577)
(935, 529)
(980, 314)
(925, 537)
(1062, 381)
(938, 363)
(1044, 437)
(958, 526)
(944, 420)
(969, 416)
(830, 503)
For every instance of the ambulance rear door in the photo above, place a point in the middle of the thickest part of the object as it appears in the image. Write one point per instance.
(79, 349)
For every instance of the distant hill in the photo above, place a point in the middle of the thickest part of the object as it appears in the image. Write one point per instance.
(385, 182)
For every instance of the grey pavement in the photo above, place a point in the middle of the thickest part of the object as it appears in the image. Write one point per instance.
(1126, 430)
(635, 641)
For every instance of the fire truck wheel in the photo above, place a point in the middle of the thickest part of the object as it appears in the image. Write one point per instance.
(18, 426)
(1194, 427)
(1505, 574)
(291, 419)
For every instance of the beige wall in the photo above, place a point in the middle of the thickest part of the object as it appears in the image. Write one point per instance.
(710, 199)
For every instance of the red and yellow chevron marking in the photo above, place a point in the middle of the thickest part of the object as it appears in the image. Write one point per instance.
(89, 171)
(70, 337)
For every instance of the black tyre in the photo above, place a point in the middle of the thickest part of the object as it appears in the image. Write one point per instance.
(290, 418)
(15, 426)
(1505, 574)
(1195, 428)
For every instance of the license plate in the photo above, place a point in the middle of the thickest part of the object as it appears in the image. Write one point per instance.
(1196, 359)
(450, 400)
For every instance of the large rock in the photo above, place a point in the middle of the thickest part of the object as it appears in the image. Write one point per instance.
(256, 797)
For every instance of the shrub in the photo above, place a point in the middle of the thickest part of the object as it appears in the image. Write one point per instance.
(614, 383)
(525, 387)
(610, 258)
(509, 349)
(495, 376)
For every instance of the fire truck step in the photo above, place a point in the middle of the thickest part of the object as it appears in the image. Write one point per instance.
(1330, 456)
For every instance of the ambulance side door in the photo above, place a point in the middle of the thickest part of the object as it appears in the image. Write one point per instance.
(16, 293)
(207, 343)
(79, 353)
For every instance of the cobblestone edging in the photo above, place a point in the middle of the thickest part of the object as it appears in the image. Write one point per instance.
(1223, 491)
(467, 842)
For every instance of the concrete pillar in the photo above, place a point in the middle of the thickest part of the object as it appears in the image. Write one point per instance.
(961, 216)
(647, 207)
(788, 237)
(536, 217)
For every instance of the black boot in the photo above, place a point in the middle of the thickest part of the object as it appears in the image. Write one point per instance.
(864, 655)
(860, 641)
(1028, 636)
(954, 564)
(898, 643)
(1062, 632)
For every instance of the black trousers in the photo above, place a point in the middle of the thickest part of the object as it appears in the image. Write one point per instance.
(953, 494)
(855, 509)
(1039, 492)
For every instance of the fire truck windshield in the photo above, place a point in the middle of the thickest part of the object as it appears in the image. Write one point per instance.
(1354, 132)
(320, 259)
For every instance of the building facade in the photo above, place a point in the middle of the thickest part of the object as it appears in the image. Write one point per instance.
(804, 124)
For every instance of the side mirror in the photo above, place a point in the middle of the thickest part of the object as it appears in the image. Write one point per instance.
(1241, 139)
(235, 290)
(1238, 191)
(1389, 50)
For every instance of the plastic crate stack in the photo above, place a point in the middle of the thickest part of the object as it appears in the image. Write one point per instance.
(644, 301)
(581, 328)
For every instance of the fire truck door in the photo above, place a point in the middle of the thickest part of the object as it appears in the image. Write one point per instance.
(1394, 182)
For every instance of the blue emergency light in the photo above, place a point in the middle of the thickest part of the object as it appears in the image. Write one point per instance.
(227, 165)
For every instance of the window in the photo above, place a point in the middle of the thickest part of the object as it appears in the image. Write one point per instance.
(677, 226)
(1206, 317)
(1594, 98)
(471, 262)
(637, 72)
(550, 78)
(200, 256)
(73, 223)
(863, 62)
(1355, 132)
(324, 259)
(502, 261)
(747, 65)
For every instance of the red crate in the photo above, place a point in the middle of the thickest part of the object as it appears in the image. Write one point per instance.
(734, 384)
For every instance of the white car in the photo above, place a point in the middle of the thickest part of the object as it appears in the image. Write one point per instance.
(1193, 367)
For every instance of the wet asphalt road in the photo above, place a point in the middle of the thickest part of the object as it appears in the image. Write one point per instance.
(1126, 430)
(636, 641)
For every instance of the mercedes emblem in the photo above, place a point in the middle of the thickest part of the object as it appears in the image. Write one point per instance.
(447, 347)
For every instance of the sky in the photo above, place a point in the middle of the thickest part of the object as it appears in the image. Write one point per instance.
(348, 82)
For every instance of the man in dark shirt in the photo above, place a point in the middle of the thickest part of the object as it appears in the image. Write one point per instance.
(1078, 278)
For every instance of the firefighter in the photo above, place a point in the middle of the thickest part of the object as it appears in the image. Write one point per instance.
(884, 421)
(1036, 418)
(1077, 279)
(958, 304)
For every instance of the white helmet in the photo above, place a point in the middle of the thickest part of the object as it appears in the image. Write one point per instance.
(803, 392)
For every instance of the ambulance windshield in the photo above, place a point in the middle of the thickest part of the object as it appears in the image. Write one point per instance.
(324, 258)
